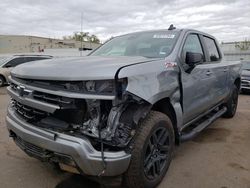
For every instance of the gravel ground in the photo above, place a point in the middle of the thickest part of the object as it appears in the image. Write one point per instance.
(219, 158)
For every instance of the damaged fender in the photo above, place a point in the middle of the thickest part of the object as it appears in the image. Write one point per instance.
(155, 81)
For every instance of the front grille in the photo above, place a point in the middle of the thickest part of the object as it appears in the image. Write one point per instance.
(245, 83)
(33, 150)
(53, 99)
(13, 86)
(26, 112)
(51, 84)
(48, 98)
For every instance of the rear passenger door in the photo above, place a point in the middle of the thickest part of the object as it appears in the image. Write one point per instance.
(218, 68)
(197, 83)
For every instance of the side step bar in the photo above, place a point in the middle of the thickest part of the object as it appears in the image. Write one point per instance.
(188, 136)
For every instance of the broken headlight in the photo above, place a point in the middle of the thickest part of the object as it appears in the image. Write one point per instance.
(98, 86)
(121, 86)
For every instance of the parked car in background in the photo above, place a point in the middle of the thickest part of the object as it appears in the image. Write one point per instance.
(245, 77)
(8, 62)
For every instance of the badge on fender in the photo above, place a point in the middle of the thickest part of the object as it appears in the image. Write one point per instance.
(170, 64)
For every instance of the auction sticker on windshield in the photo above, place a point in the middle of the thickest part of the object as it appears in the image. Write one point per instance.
(164, 36)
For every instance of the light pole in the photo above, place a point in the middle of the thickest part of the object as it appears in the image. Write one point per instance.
(81, 35)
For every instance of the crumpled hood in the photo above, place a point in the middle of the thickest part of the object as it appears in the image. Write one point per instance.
(77, 68)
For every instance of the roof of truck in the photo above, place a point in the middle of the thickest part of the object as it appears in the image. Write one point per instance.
(177, 30)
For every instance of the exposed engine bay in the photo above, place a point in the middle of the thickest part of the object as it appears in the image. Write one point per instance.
(113, 121)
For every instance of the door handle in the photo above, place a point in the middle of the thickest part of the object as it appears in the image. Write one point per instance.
(225, 70)
(208, 73)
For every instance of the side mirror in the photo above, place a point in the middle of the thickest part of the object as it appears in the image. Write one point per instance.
(193, 58)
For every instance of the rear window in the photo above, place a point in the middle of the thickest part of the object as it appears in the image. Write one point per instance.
(212, 49)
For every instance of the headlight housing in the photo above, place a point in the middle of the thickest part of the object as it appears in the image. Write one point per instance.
(102, 87)
(121, 86)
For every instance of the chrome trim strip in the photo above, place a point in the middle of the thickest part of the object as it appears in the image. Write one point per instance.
(245, 81)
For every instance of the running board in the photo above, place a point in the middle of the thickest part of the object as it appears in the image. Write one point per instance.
(202, 126)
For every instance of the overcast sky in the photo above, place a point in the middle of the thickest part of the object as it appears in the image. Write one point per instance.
(228, 20)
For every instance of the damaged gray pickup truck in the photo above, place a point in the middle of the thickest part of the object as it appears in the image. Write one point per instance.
(121, 110)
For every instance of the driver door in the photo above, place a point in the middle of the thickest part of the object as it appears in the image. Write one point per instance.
(197, 83)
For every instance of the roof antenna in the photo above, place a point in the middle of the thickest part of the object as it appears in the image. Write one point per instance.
(171, 27)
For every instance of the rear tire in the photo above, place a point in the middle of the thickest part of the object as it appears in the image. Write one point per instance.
(232, 103)
(152, 150)
(2, 81)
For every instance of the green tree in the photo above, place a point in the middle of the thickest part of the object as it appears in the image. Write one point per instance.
(94, 38)
(244, 45)
(83, 36)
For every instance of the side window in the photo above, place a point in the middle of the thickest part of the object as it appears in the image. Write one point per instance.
(15, 62)
(41, 58)
(28, 59)
(212, 49)
(34, 58)
(192, 44)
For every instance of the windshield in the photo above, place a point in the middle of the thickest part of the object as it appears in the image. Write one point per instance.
(246, 66)
(153, 44)
(3, 60)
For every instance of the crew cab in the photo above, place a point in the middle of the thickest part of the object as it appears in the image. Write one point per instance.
(121, 110)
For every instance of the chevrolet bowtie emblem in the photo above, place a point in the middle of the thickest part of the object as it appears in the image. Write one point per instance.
(22, 91)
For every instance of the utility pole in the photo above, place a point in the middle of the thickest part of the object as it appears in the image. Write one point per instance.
(81, 34)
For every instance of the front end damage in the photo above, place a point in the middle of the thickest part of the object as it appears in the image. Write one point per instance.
(101, 111)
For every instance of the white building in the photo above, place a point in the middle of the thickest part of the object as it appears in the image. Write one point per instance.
(29, 44)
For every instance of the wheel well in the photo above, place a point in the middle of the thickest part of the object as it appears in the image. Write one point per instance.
(3, 77)
(237, 83)
(164, 106)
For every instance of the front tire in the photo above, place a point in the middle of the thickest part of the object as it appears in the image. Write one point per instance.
(232, 103)
(152, 150)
